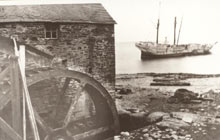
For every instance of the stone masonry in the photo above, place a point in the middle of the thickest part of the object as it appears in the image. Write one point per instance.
(87, 47)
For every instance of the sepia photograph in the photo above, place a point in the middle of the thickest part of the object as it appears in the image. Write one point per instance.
(109, 70)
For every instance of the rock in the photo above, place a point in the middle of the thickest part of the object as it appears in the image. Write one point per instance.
(118, 96)
(187, 119)
(207, 99)
(213, 128)
(185, 116)
(196, 101)
(173, 132)
(116, 137)
(146, 135)
(133, 110)
(124, 91)
(156, 116)
(196, 132)
(150, 138)
(172, 100)
(145, 130)
(155, 135)
(130, 121)
(184, 95)
(175, 137)
(182, 137)
(218, 107)
(125, 134)
(172, 123)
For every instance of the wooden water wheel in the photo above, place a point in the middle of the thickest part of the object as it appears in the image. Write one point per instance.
(96, 119)
(67, 105)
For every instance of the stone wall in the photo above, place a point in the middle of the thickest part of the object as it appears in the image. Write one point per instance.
(88, 48)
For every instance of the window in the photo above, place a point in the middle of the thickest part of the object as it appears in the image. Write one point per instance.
(51, 31)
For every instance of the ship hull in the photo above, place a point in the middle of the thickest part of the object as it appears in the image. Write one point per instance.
(149, 55)
(151, 50)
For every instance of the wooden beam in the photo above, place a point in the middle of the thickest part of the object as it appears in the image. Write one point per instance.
(27, 96)
(4, 73)
(4, 99)
(9, 131)
(15, 93)
(22, 58)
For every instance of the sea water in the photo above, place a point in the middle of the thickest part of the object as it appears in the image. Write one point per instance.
(128, 60)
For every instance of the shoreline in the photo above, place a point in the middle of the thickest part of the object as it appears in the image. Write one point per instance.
(199, 83)
(190, 75)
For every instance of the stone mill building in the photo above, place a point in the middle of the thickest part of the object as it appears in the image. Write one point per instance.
(80, 34)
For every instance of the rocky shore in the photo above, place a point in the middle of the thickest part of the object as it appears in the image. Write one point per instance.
(168, 112)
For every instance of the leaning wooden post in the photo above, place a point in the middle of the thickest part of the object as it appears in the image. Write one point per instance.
(27, 96)
(22, 58)
(15, 91)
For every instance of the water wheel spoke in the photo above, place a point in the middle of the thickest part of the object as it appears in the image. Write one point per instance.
(66, 84)
(61, 96)
(42, 123)
(78, 93)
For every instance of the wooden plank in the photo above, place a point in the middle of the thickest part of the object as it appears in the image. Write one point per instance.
(22, 58)
(9, 130)
(15, 93)
(39, 52)
(4, 73)
(4, 99)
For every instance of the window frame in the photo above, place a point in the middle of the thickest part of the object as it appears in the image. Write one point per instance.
(51, 29)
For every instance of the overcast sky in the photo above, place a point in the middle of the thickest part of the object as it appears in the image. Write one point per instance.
(136, 19)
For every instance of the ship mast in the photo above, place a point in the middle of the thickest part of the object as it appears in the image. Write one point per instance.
(158, 25)
(179, 31)
(174, 42)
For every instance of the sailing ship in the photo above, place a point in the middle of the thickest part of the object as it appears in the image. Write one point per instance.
(159, 50)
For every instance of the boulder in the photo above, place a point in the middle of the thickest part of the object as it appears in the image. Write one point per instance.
(184, 96)
(125, 134)
(185, 116)
(130, 121)
(156, 116)
(172, 123)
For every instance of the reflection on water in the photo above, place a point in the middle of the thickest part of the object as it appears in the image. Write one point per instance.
(128, 61)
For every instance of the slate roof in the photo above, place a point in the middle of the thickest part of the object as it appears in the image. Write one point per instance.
(68, 13)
